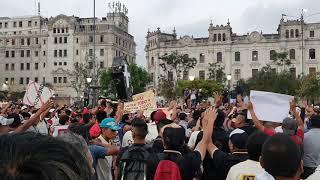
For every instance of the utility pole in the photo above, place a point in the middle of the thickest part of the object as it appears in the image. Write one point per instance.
(302, 41)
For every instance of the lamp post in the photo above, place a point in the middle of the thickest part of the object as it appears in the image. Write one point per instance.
(191, 78)
(229, 77)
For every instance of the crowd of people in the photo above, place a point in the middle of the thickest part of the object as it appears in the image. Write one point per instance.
(188, 140)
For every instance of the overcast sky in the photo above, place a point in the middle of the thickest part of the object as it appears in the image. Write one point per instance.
(190, 17)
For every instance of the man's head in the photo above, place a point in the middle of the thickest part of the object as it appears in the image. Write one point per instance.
(281, 157)
(315, 121)
(239, 121)
(183, 116)
(139, 129)
(220, 118)
(101, 115)
(63, 119)
(35, 156)
(255, 143)
(289, 126)
(86, 118)
(109, 128)
(173, 136)
(238, 140)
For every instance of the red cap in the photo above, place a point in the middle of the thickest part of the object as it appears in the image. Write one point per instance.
(159, 115)
(85, 111)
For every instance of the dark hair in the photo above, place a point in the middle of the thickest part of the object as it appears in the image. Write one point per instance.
(182, 116)
(74, 120)
(125, 118)
(25, 115)
(34, 156)
(17, 120)
(162, 123)
(281, 156)
(315, 121)
(63, 119)
(139, 128)
(86, 118)
(174, 138)
(103, 103)
(152, 115)
(68, 112)
(101, 115)
(255, 143)
(81, 130)
(220, 118)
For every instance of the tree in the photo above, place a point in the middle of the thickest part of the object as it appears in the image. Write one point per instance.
(207, 86)
(310, 87)
(167, 88)
(216, 72)
(269, 80)
(281, 59)
(139, 78)
(78, 77)
(177, 63)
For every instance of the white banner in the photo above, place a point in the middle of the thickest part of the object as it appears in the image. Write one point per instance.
(36, 95)
(270, 106)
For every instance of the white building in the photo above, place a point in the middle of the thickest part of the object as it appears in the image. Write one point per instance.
(46, 49)
(241, 55)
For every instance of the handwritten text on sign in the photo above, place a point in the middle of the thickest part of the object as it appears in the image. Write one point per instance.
(141, 101)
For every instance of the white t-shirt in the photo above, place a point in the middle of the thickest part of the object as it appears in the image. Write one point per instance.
(104, 166)
(244, 170)
(152, 134)
(42, 127)
(57, 130)
(193, 139)
(264, 176)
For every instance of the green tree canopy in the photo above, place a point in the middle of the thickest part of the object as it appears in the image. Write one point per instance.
(216, 72)
(177, 63)
(207, 86)
(139, 78)
(269, 80)
(310, 87)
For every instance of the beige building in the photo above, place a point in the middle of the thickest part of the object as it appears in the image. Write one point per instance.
(46, 49)
(241, 55)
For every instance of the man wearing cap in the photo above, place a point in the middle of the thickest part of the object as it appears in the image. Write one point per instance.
(291, 127)
(240, 122)
(311, 147)
(222, 162)
(109, 128)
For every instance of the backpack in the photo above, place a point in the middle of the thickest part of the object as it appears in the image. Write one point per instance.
(132, 164)
(168, 167)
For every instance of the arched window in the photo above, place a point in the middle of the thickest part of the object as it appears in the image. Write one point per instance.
(297, 32)
(219, 57)
(291, 33)
(237, 56)
(215, 37)
(219, 37)
(287, 33)
(292, 54)
(312, 53)
(223, 37)
(273, 55)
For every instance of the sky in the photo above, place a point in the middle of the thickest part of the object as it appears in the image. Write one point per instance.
(189, 17)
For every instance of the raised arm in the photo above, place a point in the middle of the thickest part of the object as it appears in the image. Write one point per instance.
(255, 119)
(208, 121)
(34, 118)
(296, 115)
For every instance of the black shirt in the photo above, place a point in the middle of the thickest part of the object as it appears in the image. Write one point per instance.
(221, 163)
(189, 165)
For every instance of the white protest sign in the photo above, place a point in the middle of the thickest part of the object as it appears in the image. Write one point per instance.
(36, 95)
(269, 106)
(142, 101)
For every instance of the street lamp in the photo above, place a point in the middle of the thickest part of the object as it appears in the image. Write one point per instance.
(89, 80)
(191, 78)
(229, 77)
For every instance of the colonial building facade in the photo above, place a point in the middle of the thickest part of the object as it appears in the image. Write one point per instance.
(241, 55)
(46, 49)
